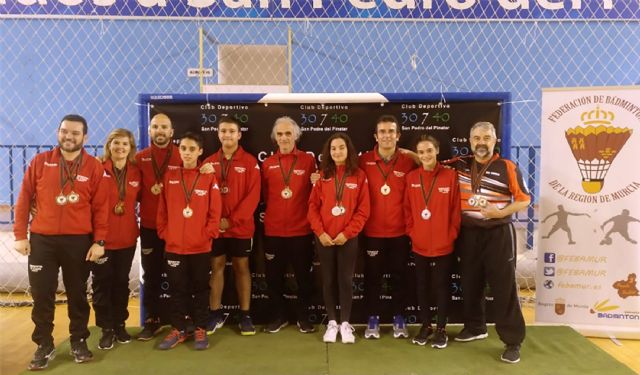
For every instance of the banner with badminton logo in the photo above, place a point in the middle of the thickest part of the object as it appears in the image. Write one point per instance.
(588, 252)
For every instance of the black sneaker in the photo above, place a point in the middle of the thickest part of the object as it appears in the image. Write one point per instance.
(440, 339)
(246, 326)
(423, 336)
(42, 356)
(305, 326)
(107, 339)
(151, 328)
(465, 336)
(122, 336)
(511, 354)
(276, 325)
(80, 352)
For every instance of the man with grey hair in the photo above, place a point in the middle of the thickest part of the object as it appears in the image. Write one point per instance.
(491, 190)
(288, 238)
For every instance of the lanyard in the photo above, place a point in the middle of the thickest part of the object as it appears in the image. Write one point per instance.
(159, 171)
(226, 165)
(340, 185)
(121, 178)
(384, 175)
(188, 193)
(69, 173)
(427, 198)
(288, 176)
(476, 177)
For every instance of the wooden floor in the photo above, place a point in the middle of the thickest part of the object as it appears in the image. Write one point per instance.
(16, 347)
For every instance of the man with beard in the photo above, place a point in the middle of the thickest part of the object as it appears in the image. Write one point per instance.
(67, 231)
(491, 190)
(153, 162)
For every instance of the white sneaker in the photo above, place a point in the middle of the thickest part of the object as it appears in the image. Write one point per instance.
(346, 332)
(332, 332)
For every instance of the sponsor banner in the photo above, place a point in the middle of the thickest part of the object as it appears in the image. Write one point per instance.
(327, 9)
(589, 257)
(320, 115)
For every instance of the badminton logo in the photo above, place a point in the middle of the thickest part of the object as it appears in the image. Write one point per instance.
(595, 146)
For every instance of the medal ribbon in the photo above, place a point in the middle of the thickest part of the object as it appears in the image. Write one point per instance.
(384, 175)
(226, 165)
(340, 186)
(159, 171)
(69, 173)
(187, 194)
(288, 176)
(427, 198)
(121, 179)
(476, 177)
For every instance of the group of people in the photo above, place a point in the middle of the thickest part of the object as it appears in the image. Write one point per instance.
(195, 214)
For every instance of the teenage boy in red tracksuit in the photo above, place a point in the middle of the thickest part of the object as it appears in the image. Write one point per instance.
(432, 215)
(238, 174)
(386, 247)
(111, 272)
(188, 218)
(66, 187)
(154, 161)
(288, 239)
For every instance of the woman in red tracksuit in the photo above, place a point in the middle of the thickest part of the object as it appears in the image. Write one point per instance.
(111, 272)
(188, 218)
(338, 209)
(432, 216)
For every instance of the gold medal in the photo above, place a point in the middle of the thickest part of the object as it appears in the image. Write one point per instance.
(224, 190)
(286, 193)
(156, 189)
(73, 197)
(187, 212)
(118, 209)
(61, 199)
(385, 189)
(472, 201)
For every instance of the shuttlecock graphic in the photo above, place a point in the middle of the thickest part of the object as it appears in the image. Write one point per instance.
(595, 146)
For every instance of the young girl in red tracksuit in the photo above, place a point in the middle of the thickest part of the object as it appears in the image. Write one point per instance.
(188, 218)
(111, 272)
(338, 209)
(432, 216)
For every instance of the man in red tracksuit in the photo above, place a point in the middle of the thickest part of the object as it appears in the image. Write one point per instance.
(492, 189)
(65, 185)
(286, 187)
(386, 247)
(188, 217)
(238, 175)
(154, 161)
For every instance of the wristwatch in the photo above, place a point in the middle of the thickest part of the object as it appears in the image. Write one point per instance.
(101, 243)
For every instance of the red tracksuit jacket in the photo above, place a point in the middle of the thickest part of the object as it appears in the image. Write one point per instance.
(287, 217)
(355, 200)
(387, 218)
(240, 203)
(123, 229)
(433, 237)
(149, 201)
(42, 183)
(189, 235)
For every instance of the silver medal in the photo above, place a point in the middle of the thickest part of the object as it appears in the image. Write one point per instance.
(286, 193)
(61, 200)
(342, 210)
(187, 212)
(336, 211)
(385, 189)
(472, 201)
(73, 197)
(425, 214)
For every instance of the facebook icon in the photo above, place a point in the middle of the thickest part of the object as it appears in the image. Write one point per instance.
(549, 257)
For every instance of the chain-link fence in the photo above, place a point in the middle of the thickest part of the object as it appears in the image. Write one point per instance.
(98, 66)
